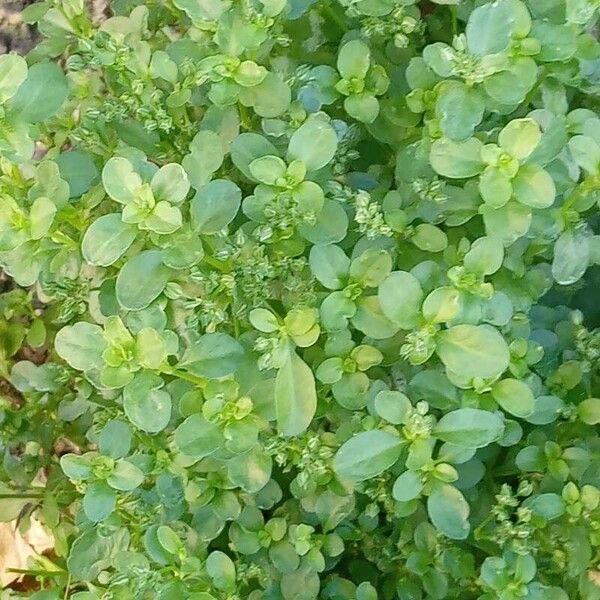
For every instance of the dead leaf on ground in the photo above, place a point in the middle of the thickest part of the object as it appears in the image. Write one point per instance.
(16, 550)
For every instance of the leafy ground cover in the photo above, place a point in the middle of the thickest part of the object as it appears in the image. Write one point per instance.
(290, 299)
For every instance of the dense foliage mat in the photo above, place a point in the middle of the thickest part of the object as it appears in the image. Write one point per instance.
(286, 299)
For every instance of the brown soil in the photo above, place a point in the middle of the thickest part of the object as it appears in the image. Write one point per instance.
(14, 34)
(19, 37)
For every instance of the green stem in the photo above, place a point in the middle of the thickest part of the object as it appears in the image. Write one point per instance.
(213, 262)
(244, 116)
(569, 201)
(39, 572)
(334, 16)
(271, 308)
(200, 381)
(481, 526)
(454, 16)
(535, 87)
(20, 496)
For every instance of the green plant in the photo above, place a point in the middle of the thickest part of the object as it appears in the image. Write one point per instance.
(288, 299)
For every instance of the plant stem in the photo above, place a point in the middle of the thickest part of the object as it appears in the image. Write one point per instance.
(535, 87)
(333, 16)
(244, 116)
(454, 16)
(213, 262)
(38, 572)
(20, 496)
(200, 381)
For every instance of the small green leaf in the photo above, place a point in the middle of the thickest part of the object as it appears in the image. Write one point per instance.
(267, 169)
(115, 439)
(170, 183)
(586, 153)
(515, 397)
(511, 85)
(221, 570)
(150, 348)
(142, 280)
(549, 506)
(491, 26)
(534, 187)
(473, 351)
(407, 486)
(495, 188)
(314, 143)
(41, 95)
(330, 370)
(13, 72)
(164, 218)
(215, 205)
(213, 355)
(106, 240)
(353, 60)
(41, 215)
(146, 405)
(250, 471)
(441, 305)
(249, 74)
(367, 454)
(295, 396)
(459, 109)
(120, 180)
(205, 157)
(469, 428)
(81, 345)
(161, 66)
(270, 98)
(331, 225)
(99, 501)
(197, 437)
(363, 107)
(520, 138)
(558, 41)
(248, 147)
(449, 511)
(400, 296)
(485, 256)
(77, 467)
(330, 265)
(393, 406)
(91, 553)
(371, 320)
(509, 222)
(429, 238)
(371, 267)
(125, 476)
(571, 256)
(263, 320)
(78, 170)
(457, 160)
(589, 411)
(169, 540)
